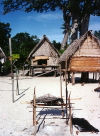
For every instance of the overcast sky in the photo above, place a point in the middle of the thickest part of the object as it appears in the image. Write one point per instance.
(41, 23)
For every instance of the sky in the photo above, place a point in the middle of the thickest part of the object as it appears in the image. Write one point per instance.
(34, 23)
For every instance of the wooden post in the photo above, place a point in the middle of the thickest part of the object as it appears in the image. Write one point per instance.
(99, 77)
(61, 91)
(95, 75)
(12, 75)
(32, 71)
(17, 88)
(70, 117)
(34, 109)
(66, 89)
(73, 78)
(23, 71)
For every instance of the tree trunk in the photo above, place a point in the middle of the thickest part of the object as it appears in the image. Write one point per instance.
(64, 42)
(74, 29)
(67, 19)
(84, 25)
(83, 29)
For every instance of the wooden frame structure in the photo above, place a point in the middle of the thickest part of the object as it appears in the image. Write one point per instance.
(67, 106)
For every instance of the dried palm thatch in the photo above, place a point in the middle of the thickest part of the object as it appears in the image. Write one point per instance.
(70, 51)
(44, 52)
(49, 100)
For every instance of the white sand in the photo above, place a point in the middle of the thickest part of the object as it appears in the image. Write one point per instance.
(16, 118)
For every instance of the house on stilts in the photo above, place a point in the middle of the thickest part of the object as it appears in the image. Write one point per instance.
(43, 57)
(83, 56)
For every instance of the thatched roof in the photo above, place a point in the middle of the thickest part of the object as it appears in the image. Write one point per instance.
(2, 54)
(70, 51)
(40, 44)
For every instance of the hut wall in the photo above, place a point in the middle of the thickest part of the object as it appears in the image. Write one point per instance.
(88, 48)
(87, 57)
(46, 50)
(52, 61)
(33, 62)
(85, 64)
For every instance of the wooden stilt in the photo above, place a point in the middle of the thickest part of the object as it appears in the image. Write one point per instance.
(61, 91)
(99, 78)
(66, 90)
(17, 88)
(93, 75)
(23, 71)
(32, 71)
(12, 74)
(73, 78)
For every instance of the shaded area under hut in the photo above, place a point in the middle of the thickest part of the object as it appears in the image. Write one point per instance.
(43, 58)
(82, 56)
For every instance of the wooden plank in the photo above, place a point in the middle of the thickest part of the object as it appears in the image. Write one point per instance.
(85, 69)
(85, 64)
(85, 58)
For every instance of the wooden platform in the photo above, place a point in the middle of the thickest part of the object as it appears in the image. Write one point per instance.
(43, 69)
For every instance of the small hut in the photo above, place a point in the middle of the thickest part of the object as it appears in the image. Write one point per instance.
(83, 55)
(44, 56)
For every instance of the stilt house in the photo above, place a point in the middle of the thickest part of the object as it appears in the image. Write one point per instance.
(83, 55)
(44, 55)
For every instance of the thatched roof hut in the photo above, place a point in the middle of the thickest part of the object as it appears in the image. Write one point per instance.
(2, 56)
(43, 57)
(83, 55)
(44, 53)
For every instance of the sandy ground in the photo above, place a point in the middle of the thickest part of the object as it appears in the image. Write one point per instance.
(16, 118)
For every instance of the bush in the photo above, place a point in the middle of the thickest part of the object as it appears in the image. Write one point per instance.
(6, 68)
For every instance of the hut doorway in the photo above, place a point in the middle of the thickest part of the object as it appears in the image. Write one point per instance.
(42, 62)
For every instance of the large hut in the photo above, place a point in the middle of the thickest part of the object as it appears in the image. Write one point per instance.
(44, 56)
(83, 55)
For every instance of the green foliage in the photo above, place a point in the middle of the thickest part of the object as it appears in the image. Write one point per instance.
(4, 36)
(22, 44)
(61, 51)
(57, 45)
(6, 67)
(97, 34)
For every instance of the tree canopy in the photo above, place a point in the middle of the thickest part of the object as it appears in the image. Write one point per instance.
(5, 31)
(97, 34)
(76, 13)
(22, 44)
